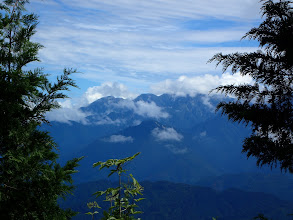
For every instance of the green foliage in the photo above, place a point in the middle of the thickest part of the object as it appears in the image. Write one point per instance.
(267, 105)
(122, 198)
(30, 178)
(93, 205)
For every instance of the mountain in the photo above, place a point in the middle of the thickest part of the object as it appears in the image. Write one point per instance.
(167, 154)
(181, 139)
(280, 185)
(173, 201)
(180, 112)
(158, 160)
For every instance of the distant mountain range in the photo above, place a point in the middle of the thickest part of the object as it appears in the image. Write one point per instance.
(181, 139)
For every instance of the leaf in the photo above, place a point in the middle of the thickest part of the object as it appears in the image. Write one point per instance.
(137, 200)
(89, 213)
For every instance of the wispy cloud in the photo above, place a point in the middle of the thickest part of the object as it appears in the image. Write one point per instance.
(135, 55)
(119, 139)
(166, 134)
(164, 10)
(138, 43)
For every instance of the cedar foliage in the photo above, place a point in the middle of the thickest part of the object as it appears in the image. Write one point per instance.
(266, 105)
(31, 180)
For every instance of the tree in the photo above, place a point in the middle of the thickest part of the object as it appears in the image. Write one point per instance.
(266, 105)
(31, 180)
(122, 198)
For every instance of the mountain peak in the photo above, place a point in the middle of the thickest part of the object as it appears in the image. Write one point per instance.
(101, 104)
(148, 97)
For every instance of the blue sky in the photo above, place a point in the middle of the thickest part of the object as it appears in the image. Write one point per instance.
(128, 47)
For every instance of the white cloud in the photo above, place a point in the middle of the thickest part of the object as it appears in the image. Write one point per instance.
(119, 139)
(71, 112)
(145, 109)
(198, 85)
(149, 109)
(166, 134)
(161, 54)
(115, 89)
(140, 42)
(181, 87)
(67, 113)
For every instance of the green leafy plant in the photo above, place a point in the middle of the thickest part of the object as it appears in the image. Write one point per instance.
(93, 205)
(123, 198)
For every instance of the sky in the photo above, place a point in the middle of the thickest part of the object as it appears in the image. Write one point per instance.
(125, 48)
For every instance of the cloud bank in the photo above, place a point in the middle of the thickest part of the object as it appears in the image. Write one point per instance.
(199, 84)
(117, 90)
(166, 134)
(71, 112)
(67, 113)
(181, 87)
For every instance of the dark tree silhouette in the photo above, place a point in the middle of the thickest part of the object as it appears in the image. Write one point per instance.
(31, 180)
(266, 105)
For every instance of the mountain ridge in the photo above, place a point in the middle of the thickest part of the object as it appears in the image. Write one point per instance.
(171, 201)
(181, 139)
